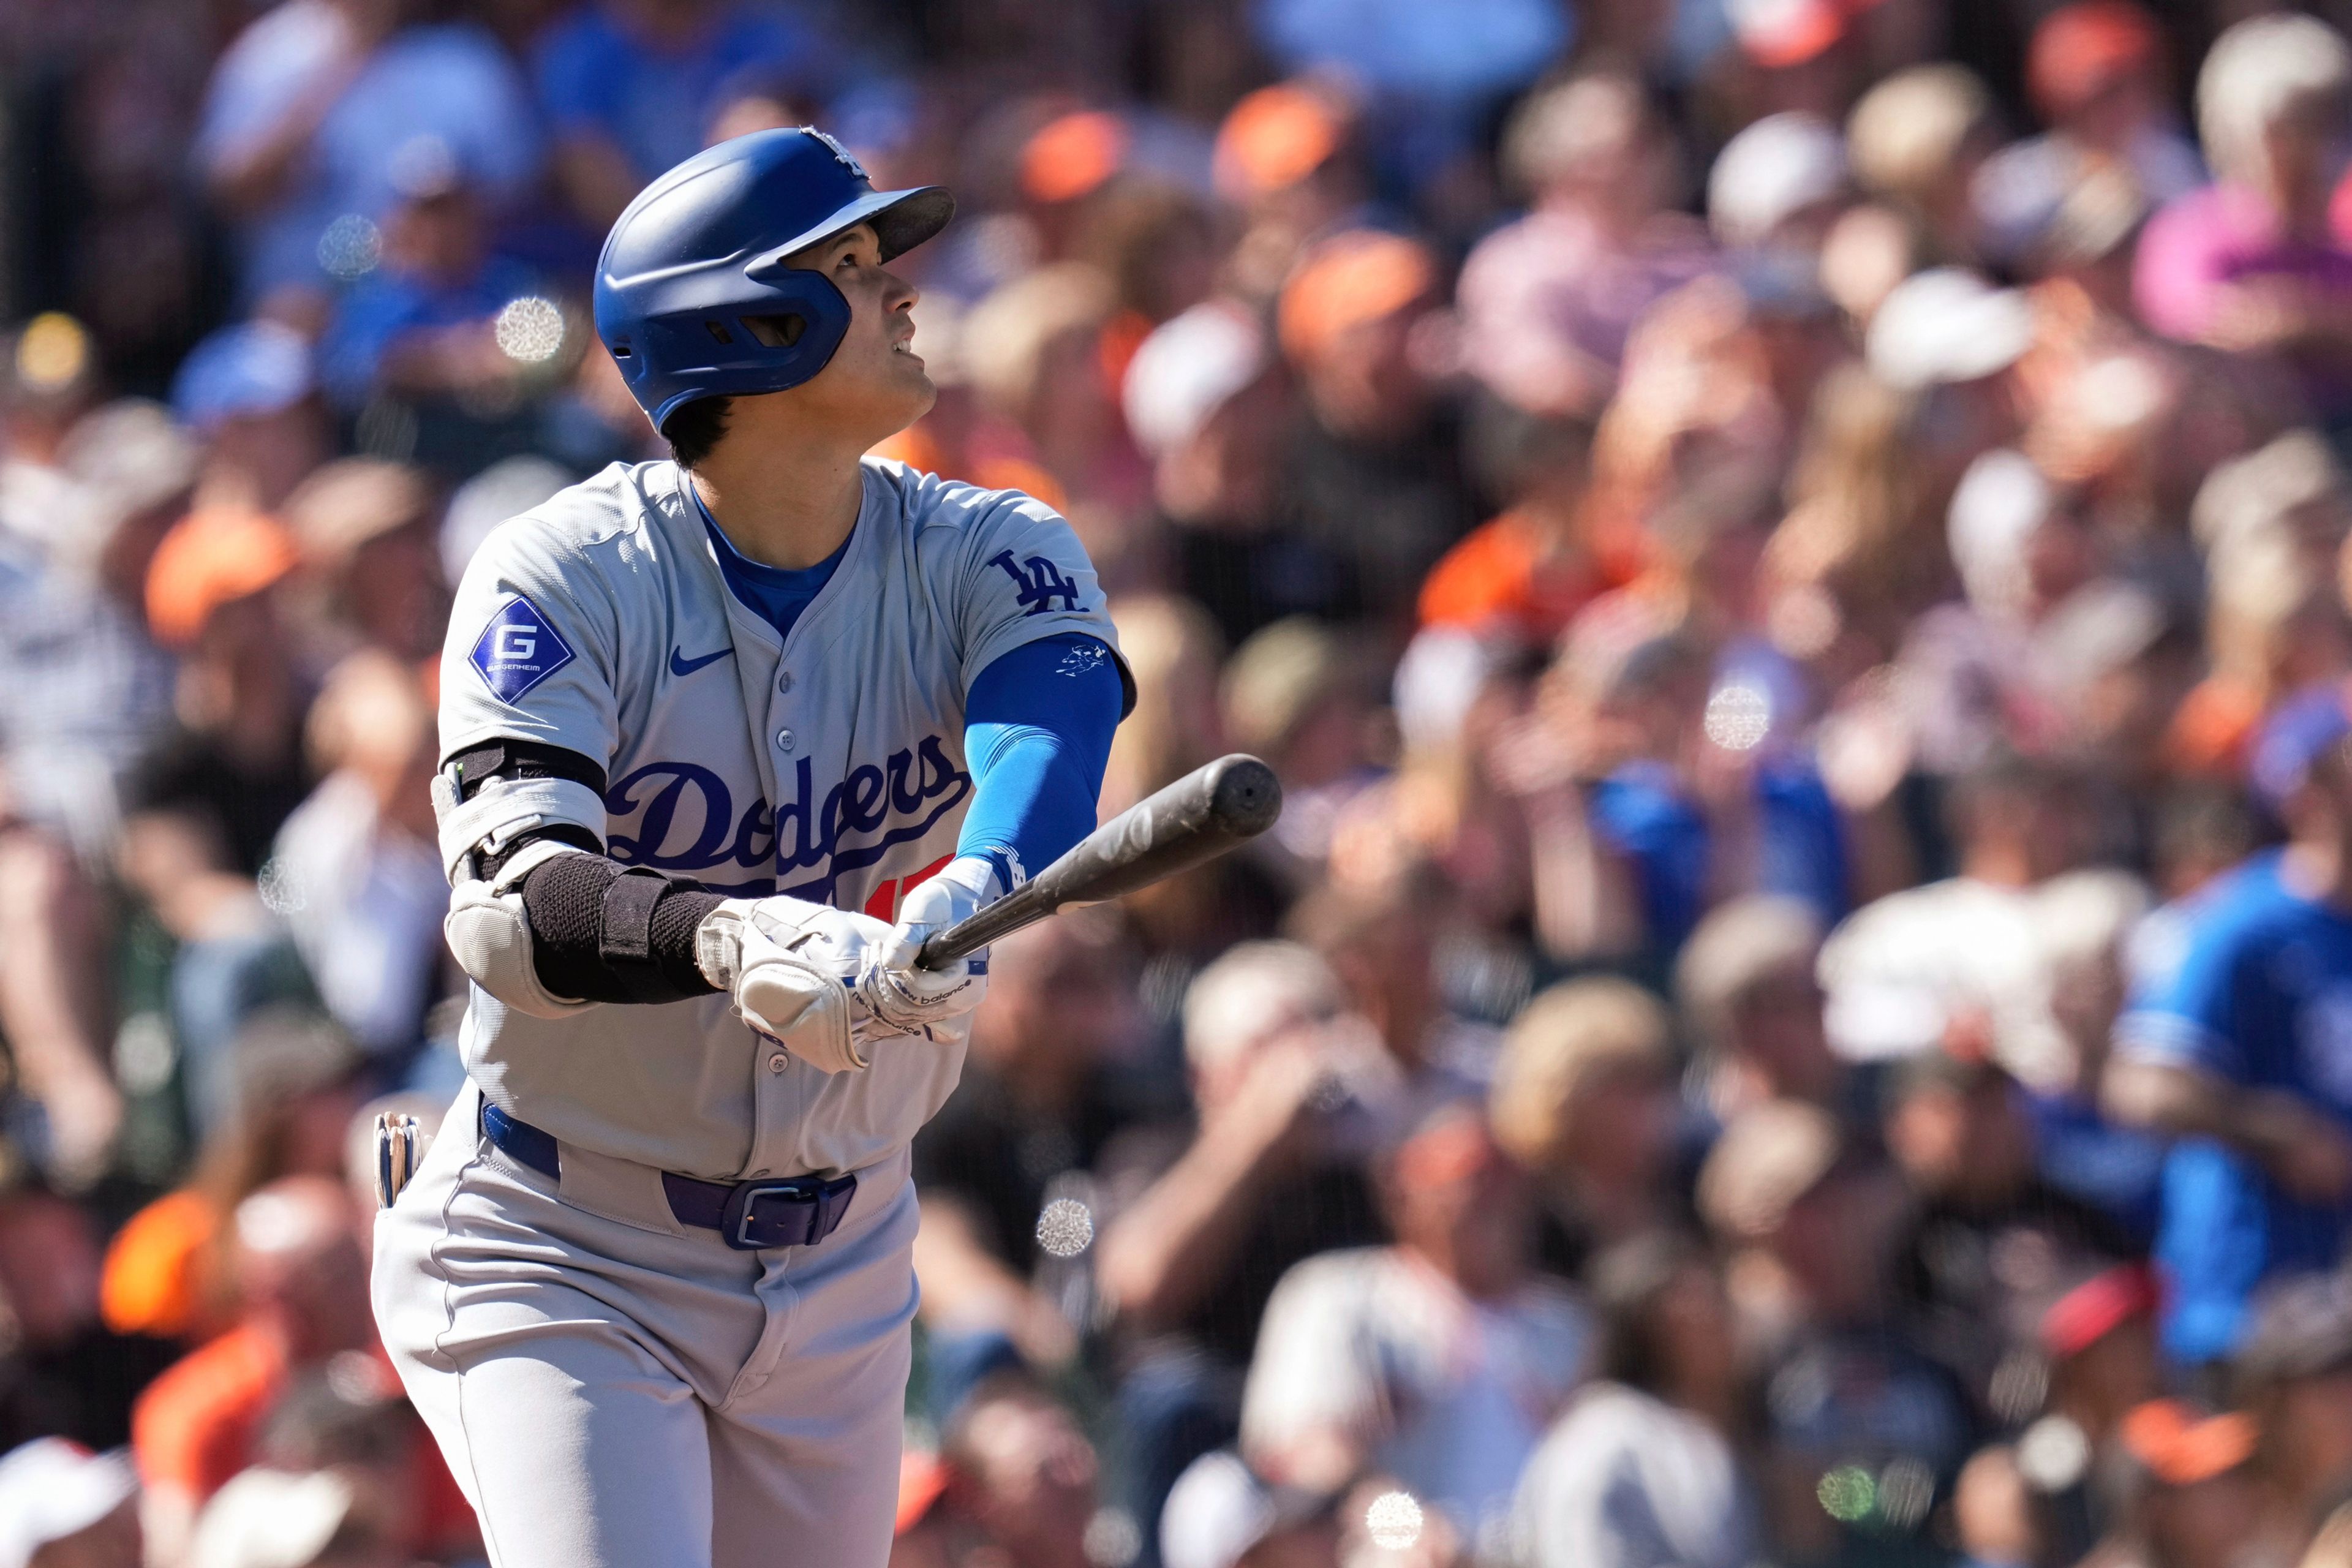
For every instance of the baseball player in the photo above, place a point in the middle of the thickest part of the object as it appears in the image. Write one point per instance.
(724, 738)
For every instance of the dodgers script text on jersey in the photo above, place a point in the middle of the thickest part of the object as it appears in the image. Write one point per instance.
(828, 765)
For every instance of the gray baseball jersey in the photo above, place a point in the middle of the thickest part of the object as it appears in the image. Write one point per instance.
(829, 766)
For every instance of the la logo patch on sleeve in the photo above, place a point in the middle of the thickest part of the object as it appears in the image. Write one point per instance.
(518, 650)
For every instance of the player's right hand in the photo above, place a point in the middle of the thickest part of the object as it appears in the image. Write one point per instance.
(790, 966)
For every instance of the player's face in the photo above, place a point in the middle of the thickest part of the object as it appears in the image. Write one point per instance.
(875, 379)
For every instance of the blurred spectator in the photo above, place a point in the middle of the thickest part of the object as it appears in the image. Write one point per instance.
(225, 955)
(62, 1506)
(2251, 264)
(53, 1010)
(2293, 1373)
(1286, 1083)
(278, 1106)
(431, 326)
(1548, 304)
(1376, 462)
(2087, 919)
(1433, 76)
(2187, 1496)
(2095, 72)
(1033, 349)
(1584, 1102)
(370, 553)
(1220, 1515)
(1746, 986)
(1640, 1471)
(248, 392)
(627, 88)
(2269, 522)
(1958, 1130)
(1036, 1103)
(1918, 139)
(306, 115)
(1962, 959)
(236, 752)
(1018, 1466)
(1439, 1360)
(1847, 1391)
(63, 1373)
(1382, 942)
(355, 867)
(270, 1519)
(1688, 802)
(1206, 402)
(1289, 157)
(1294, 693)
(2233, 1051)
(1525, 572)
(1777, 184)
(301, 1290)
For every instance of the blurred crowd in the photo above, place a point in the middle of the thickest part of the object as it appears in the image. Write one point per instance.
(1791, 556)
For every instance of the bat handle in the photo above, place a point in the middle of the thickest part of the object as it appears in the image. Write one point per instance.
(975, 930)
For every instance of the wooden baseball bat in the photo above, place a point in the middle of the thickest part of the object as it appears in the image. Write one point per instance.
(1200, 816)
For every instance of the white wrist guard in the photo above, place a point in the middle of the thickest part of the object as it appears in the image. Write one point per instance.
(491, 935)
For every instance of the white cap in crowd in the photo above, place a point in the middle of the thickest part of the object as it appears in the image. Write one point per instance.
(1945, 325)
(52, 1490)
(1188, 369)
(2257, 74)
(1769, 173)
(271, 1518)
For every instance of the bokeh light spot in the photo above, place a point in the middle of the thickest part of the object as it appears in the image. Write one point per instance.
(1847, 1493)
(1066, 1227)
(1738, 716)
(1113, 1538)
(2052, 1454)
(349, 248)
(1905, 1488)
(52, 351)
(1393, 1520)
(531, 329)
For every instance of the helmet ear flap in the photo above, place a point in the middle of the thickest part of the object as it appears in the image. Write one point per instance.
(780, 336)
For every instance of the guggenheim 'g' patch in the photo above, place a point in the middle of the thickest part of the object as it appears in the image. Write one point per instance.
(518, 650)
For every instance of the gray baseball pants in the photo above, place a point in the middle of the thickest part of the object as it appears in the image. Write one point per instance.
(613, 1389)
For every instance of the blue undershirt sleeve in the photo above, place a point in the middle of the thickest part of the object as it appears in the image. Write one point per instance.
(1037, 730)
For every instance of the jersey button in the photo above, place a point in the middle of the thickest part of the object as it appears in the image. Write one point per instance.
(784, 684)
(776, 1060)
(785, 741)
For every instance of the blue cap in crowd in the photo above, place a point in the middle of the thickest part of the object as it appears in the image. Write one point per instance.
(251, 369)
(2293, 738)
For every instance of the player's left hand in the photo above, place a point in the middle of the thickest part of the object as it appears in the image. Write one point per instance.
(921, 1000)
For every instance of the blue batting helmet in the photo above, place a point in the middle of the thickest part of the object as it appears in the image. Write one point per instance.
(693, 296)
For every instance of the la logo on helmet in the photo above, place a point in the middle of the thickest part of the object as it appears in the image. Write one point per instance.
(840, 151)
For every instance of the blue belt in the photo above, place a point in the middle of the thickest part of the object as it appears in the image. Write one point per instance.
(799, 1211)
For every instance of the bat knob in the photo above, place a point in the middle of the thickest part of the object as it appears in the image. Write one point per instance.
(1244, 797)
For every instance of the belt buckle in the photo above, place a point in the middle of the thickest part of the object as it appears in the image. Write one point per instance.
(798, 1211)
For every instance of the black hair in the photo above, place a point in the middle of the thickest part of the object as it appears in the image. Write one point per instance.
(694, 430)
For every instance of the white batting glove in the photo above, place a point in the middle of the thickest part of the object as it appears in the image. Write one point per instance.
(927, 1000)
(790, 966)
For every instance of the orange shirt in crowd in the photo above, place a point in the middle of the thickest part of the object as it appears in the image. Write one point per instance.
(151, 1282)
(196, 1425)
(1504, 573)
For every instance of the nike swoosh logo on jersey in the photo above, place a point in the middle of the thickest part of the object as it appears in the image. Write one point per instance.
(688, 666)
